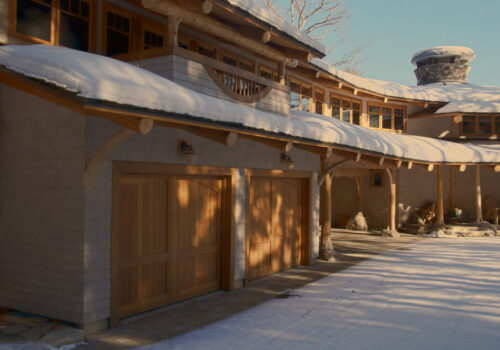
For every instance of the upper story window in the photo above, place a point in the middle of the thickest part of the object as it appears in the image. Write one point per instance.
(268, 73)
(386, 117)
(300, 96)
(57, 22)
(346, 109)
(474, 125)
(319, 100)
(125, 33)
(237, 61)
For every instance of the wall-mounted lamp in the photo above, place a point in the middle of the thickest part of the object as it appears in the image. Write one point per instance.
(289, 164)
(188, 151)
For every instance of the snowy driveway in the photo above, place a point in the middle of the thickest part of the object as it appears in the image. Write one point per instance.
(439, 294)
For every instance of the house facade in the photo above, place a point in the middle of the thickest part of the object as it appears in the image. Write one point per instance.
(194, 159)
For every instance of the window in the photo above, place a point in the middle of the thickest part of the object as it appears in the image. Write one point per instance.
(129, 36)
(319, 99)
(236, 61)
(377, 178)
(268, 73)
(294, 96)
(346, 109)
(386, 117)
(117, 34)
(206, 50)
(35, 20)
(305, 98)
(336, 108)
(152, 40)
(483, 125)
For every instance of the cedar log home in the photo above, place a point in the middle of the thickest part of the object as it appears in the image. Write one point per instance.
(154, 151)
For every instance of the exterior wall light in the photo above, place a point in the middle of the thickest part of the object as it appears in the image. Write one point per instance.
(188, 151)
(289, 164)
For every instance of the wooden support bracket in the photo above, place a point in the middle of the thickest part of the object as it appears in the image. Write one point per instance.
(95, 164)
(223, 137)
(330, 169)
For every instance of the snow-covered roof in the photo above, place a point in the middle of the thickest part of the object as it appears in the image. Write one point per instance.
(463, 52)
(104, 79)
(255, 8)
(462, 98)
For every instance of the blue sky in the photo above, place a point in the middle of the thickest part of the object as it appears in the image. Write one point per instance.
(396, 29)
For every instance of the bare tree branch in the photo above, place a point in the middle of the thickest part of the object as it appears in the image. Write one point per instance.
(318, 18)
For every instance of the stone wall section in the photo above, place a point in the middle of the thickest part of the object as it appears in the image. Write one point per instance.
(41, 207)
(442, 72)
(193, 75)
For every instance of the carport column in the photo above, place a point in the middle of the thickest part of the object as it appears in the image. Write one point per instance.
(392, 210)
(453, 192)
(325, 215)
(440, 211)
(477, 196)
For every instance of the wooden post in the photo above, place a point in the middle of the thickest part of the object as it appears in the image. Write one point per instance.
(173, 29)
(453, 191)
(358, 193)
(477, 196)
(325, 215)
(440, 210)
(392, 209)
(281, 72)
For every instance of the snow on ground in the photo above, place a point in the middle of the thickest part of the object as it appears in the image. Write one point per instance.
(105, 79)
(440, 294)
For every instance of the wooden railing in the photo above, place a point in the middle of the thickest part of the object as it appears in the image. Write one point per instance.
(238, 85)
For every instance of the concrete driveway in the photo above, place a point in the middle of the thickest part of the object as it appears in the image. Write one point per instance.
(433, 294)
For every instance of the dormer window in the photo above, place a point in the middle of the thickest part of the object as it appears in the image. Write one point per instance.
(346, 109)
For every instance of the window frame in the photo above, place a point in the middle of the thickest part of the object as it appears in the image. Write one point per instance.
(493, 118)
(351, 101)
(316, 100)
(373, 173)
(55, 21)
(392, 107)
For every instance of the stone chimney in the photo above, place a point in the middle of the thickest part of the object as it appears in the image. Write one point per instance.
(443, 64)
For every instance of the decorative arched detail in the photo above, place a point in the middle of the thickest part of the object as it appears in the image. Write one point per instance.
(238, 88)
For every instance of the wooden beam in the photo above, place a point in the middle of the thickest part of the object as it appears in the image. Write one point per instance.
(430, 167)
(282, 72)
(140, 125)
(458, 119)
(399, 163)
(223, 137)
(381, 161)
(358, 157)
(95, 164)
(440, 204)
(391, 173)
(322, 151)
(462, 167)
(207, 6)
(266, 37)
(477, 194)
(300, 55)
(283, 146)
(214, 27)
(496, 168)
(410, 165)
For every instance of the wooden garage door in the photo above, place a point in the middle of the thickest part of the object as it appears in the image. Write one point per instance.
(274, 231)
(167, 244)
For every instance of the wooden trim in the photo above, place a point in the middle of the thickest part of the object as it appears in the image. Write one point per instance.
(213, 63)
(440, 200)
(230, 93)
(391, 173)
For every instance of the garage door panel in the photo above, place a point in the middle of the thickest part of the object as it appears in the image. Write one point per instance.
(169, 240)
(274, 232)
(197, 212)
(153, 281)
